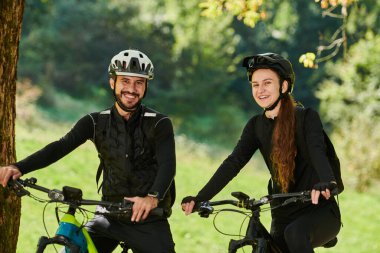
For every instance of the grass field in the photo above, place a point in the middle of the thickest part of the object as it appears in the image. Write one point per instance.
(195, 164)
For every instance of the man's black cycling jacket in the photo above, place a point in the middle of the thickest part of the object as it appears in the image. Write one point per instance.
(137, 156)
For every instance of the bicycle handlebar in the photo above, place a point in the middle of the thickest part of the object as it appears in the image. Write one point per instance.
(205, 208)
(73, 197)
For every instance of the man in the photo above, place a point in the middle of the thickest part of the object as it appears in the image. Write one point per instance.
(137, 159)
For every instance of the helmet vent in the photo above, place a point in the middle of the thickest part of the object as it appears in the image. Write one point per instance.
(131, 62)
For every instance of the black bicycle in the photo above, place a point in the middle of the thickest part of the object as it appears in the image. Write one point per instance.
(71, 233)
(256, 234)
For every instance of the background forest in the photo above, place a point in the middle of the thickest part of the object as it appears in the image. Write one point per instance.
(65, 51)
(66, 47)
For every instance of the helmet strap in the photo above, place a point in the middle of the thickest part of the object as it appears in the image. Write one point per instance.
(281, 96)
(124, 108)
(270, 108)
(146, 88)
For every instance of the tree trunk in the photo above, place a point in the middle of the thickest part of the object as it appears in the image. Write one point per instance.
(10, 31)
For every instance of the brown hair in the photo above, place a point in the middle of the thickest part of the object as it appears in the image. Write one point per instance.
(284, 149)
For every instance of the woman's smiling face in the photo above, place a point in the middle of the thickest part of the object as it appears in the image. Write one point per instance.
(265, 87)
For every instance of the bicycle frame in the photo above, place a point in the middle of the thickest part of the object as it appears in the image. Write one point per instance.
(256, 234)
(71, 234)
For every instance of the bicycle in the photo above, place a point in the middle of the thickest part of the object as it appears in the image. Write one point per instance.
(71, 233)
(256, 234)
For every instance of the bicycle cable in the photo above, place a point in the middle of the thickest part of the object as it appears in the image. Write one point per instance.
(84, 212)
(44, 223)
(217, 212)
(41, 200)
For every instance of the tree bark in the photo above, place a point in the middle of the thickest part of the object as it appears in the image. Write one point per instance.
(10, 31)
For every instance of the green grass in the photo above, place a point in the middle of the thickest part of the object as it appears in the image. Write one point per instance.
(195, 165)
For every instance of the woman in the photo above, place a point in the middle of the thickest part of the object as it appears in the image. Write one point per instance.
(298, 227)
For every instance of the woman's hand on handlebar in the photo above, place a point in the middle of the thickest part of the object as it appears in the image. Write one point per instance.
(324, 189)
(141, 207)
(188, 204)
(9, 172)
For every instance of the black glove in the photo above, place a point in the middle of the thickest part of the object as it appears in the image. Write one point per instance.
(188, 199)
(322, 186)
(203, 211)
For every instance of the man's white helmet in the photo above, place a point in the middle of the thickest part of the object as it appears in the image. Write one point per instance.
(131, 63)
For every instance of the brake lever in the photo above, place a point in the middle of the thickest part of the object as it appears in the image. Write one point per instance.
(18, 188)
(289, 200)
(302, 199)
(204, 209)
(125, 209)
(126, 205)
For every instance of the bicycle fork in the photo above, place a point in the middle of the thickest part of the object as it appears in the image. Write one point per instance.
(70, 234)
(254, 237)
(61, 240)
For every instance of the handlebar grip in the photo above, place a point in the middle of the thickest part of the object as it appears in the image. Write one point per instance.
(335, 191)
(17, 187)
(158, 211)
(161, 212)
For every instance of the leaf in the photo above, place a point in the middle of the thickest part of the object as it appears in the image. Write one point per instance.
(308, 60)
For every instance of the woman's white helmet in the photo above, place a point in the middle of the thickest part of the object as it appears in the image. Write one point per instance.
(131, 63)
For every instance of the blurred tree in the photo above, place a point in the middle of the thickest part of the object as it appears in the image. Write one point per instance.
(350, 101)
(253, 11)
(330, 45)
(198, 80)
(350, 96)
(205, 66)
(10, 31)
(192, 56)
(70, 52)
(250, 11)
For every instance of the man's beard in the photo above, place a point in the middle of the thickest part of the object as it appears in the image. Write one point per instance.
(124, 106)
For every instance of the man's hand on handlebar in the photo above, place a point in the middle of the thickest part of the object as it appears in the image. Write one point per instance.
(142, 206)
(7, 173)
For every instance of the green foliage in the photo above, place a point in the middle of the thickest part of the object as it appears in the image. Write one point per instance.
(66, 47)
(285, 20)
(350, 101)
(72, 48)
(363, 20)
(71, 53)
(250, 11)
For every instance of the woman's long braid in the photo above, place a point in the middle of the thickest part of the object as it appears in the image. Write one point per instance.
(284, 149)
